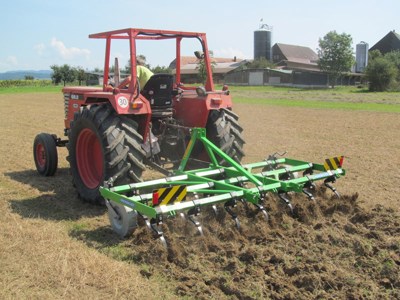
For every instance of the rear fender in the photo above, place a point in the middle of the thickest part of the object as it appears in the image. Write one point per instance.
(123, 104)
(193, 110)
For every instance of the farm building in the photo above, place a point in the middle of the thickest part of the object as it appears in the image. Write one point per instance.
(221, 66)
(296, 66)
(294, 57)
(390, 42)
(277, 77)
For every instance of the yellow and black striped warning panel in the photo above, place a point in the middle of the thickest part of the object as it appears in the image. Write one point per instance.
(169, 195)
(333, 163)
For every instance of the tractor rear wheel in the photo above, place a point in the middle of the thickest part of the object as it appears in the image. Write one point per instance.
(224, 131)
(103, 146)
(45, 154)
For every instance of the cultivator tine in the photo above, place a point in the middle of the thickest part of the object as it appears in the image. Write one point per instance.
(244, 202)
(192, 215)
(308, 194)
(228, 207)
(146, 220)
(155, 226)
(282, 196)
(308, 187)
(327, 182)
(215, 209)
(262, 209)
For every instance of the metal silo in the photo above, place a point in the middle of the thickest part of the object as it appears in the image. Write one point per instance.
(361, 56)
(263, 42)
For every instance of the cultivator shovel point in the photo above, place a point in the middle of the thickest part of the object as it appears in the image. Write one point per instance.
(187, 191)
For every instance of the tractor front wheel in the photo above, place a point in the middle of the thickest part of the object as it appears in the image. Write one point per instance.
(103, 146)
(45, 154)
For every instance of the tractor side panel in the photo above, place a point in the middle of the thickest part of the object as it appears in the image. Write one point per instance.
(193, 110)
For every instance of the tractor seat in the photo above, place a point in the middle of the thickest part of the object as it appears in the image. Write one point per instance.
(159, 90)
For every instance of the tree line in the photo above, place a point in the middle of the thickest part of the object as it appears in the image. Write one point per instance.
(67, 74)
(335, 55)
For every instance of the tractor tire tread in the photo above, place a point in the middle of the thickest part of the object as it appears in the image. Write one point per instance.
(122, 150)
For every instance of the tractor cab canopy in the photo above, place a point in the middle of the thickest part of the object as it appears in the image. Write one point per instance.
(133, 34)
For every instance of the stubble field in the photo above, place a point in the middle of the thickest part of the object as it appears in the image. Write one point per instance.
(54, 246)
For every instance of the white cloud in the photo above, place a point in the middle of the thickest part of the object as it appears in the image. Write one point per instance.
(8, 63)
(12, 60)
(68, 53)
(39, 48)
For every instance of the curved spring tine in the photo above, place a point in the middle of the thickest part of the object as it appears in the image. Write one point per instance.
(333, 189)
(287, 201)
(163, 241)
(264, 212)
(215, 209)
(200, 229)
(146, 220)
(228, 208)
(237, 223)
(308, 194)
(290, 207)
(196, 223)
(192, 216)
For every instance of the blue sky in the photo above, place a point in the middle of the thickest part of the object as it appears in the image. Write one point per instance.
(39, 33)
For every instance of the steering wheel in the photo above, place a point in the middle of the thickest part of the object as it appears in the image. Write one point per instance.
(125, 82)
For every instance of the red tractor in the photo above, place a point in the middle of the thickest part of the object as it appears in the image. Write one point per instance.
(115, 131)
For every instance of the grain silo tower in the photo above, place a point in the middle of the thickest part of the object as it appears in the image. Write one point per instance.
(263, 42)
(361, 56)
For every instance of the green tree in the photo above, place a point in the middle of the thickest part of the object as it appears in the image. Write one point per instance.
(394, 58)
(335, 54)
(381, 74)
(374, 54)
(80, 74)
(202, 70)
(63, 73)
(260, 63)
(164, 70)
(29, 77)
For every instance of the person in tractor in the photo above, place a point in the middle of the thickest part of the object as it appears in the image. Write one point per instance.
(143, 73)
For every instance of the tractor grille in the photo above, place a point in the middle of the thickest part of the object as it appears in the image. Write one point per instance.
(66, 104)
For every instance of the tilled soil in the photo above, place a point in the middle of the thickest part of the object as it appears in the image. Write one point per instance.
(347, 248)
(327, 249)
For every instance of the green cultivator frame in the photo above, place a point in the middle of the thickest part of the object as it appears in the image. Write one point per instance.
(186, 191)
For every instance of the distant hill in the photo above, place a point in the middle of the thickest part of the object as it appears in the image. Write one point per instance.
(20, 74)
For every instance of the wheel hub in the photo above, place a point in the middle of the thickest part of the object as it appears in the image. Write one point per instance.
(40, 155)
(89, 157)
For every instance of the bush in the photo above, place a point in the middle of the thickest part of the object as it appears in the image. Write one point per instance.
(21, 83)
(381, 74)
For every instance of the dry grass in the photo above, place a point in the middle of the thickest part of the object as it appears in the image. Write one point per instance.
(53, 246)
